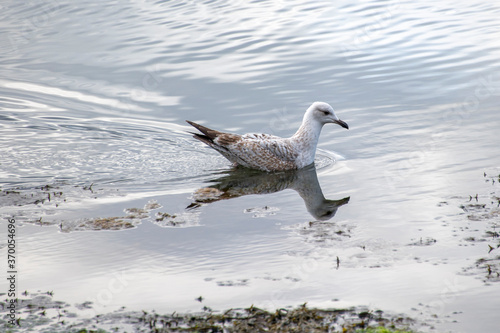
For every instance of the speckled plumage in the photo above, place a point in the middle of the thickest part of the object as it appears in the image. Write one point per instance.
(268, 152)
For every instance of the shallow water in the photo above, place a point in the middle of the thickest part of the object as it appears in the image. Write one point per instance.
(93, 102)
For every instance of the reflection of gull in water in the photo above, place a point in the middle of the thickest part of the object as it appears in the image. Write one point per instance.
(242, 181)
(272, 153)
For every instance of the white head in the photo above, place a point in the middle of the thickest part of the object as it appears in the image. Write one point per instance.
(324, 114)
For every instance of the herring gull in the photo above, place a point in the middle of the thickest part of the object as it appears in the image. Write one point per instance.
(269, 152)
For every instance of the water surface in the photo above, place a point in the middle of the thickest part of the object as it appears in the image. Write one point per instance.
(93, 102)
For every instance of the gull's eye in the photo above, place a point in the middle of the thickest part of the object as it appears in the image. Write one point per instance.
(326, 113)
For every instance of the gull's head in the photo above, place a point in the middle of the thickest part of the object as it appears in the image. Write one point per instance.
(324, 114)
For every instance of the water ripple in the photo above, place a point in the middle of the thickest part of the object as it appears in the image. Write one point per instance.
(138, 68)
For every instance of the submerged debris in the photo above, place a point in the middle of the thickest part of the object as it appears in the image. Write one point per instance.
(105, 223)
(207, 194)
(40, 206)
(483, 213)
(22, 196)
(137, 213)
(491, 266)
(131, 220)
(319, 232)
(152, 205)
(258, 212)
(188, 218)
(423, 242)
(42, 314)
(169, 220)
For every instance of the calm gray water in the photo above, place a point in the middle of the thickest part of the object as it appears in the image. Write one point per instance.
(93, 98)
